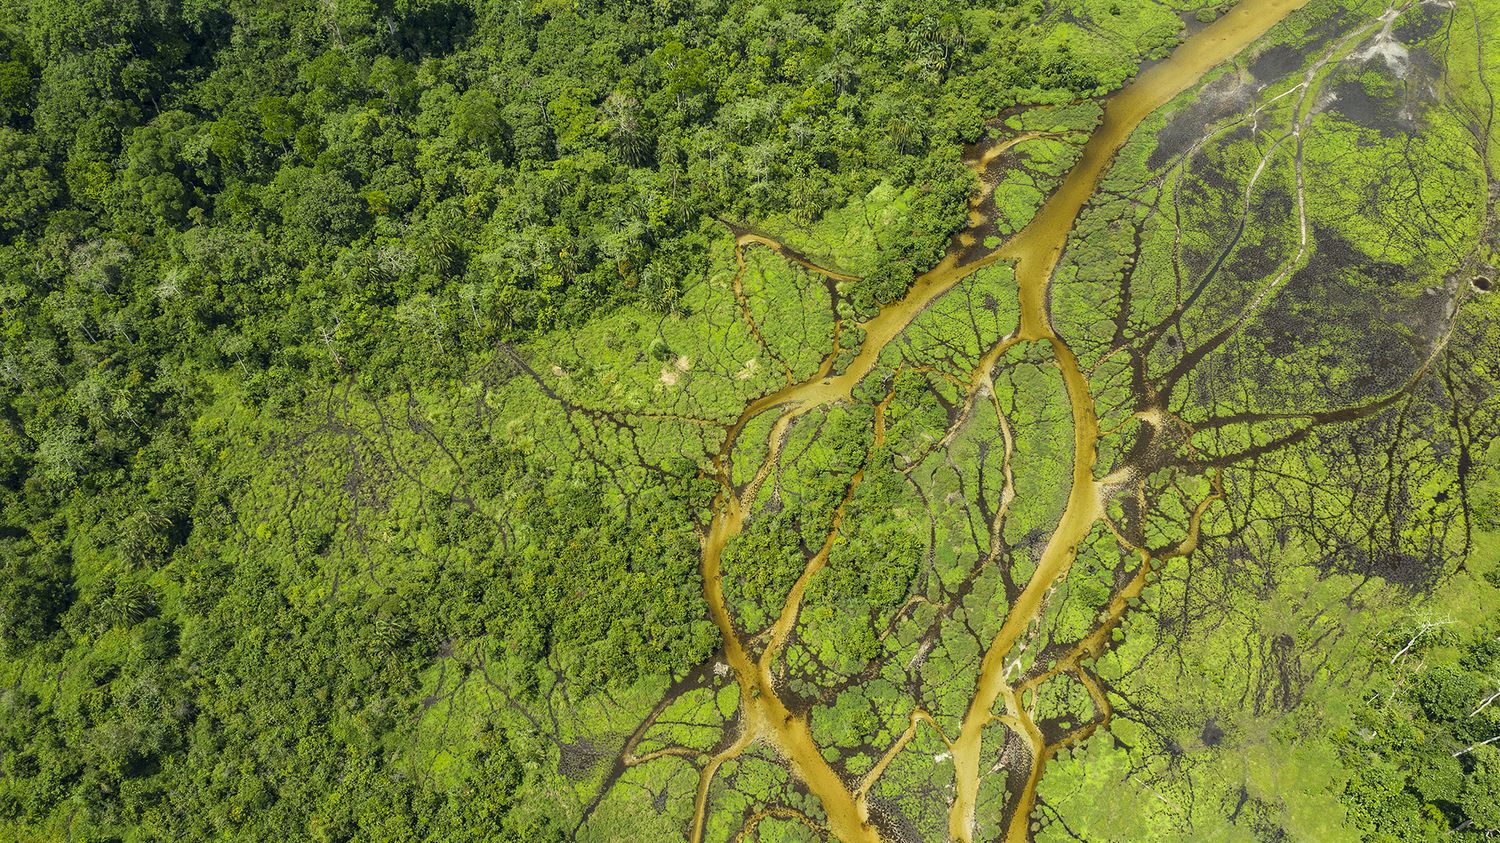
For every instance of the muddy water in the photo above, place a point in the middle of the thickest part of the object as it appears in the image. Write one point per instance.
(1035, 251)
(1038, 247)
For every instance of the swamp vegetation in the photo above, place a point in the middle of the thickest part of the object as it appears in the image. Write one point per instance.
(715, 420)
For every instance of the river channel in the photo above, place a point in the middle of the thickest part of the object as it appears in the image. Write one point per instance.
(1035, 252)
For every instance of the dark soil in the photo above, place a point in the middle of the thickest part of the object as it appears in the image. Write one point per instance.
(1212, 734)
(1356, 105)
(1275, 63)
(578, 758)
(1217, 100)
(893, 824)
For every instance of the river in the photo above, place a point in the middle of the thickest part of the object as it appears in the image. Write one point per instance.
(1035, 252)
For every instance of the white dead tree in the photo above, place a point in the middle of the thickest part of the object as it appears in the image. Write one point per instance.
(1423, 628)
(1487, 700)
(1473, 746)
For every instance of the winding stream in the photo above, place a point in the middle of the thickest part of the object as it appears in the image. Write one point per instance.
(1035, 252)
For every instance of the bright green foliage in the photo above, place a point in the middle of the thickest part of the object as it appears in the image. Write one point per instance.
(293, 543)
(365, 368)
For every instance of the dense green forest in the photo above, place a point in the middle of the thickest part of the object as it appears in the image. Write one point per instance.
(372, 373)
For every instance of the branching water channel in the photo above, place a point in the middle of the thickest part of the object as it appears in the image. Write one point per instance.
(1001, 708)
(1035, 251)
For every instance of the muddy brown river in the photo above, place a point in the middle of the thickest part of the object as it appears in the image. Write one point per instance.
(1035, 251)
